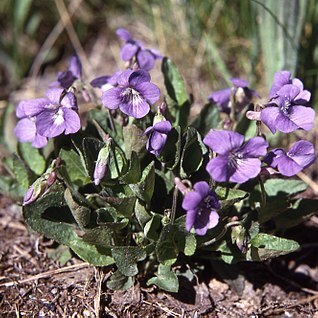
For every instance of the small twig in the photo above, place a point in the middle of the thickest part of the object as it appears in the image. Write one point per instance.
(50, 40)
(304, 301)
(163, 308)
(309, 182)
(291, 282)
(46, 274)
(99, 280)
(269, 311)
(67, 22)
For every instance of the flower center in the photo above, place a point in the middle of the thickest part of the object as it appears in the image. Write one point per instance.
(51, 106)
(58, 117)
(208, 202)
(131, 96)
(286, 105)
(234, 157)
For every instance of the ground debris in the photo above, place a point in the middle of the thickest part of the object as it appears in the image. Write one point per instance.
(34, 285)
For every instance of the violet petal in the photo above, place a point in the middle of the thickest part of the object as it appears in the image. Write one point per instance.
(222, 141)
(246, 169)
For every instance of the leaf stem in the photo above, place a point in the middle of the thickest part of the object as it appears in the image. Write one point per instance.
(223, 232)
(174, 204)
(263, 191)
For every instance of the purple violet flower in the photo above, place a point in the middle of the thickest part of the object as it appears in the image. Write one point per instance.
(300, 155)
(237, 161)
(25, 129)
(106, 82)
(145, 58)
(201, 205)
(42, 118)
(286, 113)
(100, 81)
(133, 94)
(242, 93)
(59, 114)
(283, 78)
(158, 134)
(74, 72)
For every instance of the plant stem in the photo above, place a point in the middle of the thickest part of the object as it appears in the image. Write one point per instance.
(223, 232)
(263, 191)
(174, 204)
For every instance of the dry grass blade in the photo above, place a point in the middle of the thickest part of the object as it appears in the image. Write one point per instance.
(50, 40)
(309, 182)
(67, 22)
(46, 274)
(163, 308)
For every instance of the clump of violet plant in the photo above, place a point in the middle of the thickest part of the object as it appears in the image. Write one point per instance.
(133, 182)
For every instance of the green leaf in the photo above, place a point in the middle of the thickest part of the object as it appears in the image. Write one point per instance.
(244, 125)
(142, 215)
(167, 178)
(165, 279)
(174, 82)
(230, 196)
(238, 237)
(81, 214)
(278, 195)
(91, 148)
(134, 140)
(73, 167)
(301, 210)
(192, 153)
(190, 244)
(10, 185)
(269, 246)
(145, 187)
(180, 105)
(61, 254)
(170, 155)
(32, 157)
(274, 187)
(7, 122)
(153, 226)
(109, 217)
(116, 163)
(126, 258)
(133, 174)
(208, 118)
(118, 281)
(124, 206)
(167, 249)
(63, 233)
(230, 253)
(100, 236)
(20, 172)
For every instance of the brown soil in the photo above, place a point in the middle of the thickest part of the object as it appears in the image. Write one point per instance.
(34, 285)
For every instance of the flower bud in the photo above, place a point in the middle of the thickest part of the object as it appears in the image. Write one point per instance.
(101, 164)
